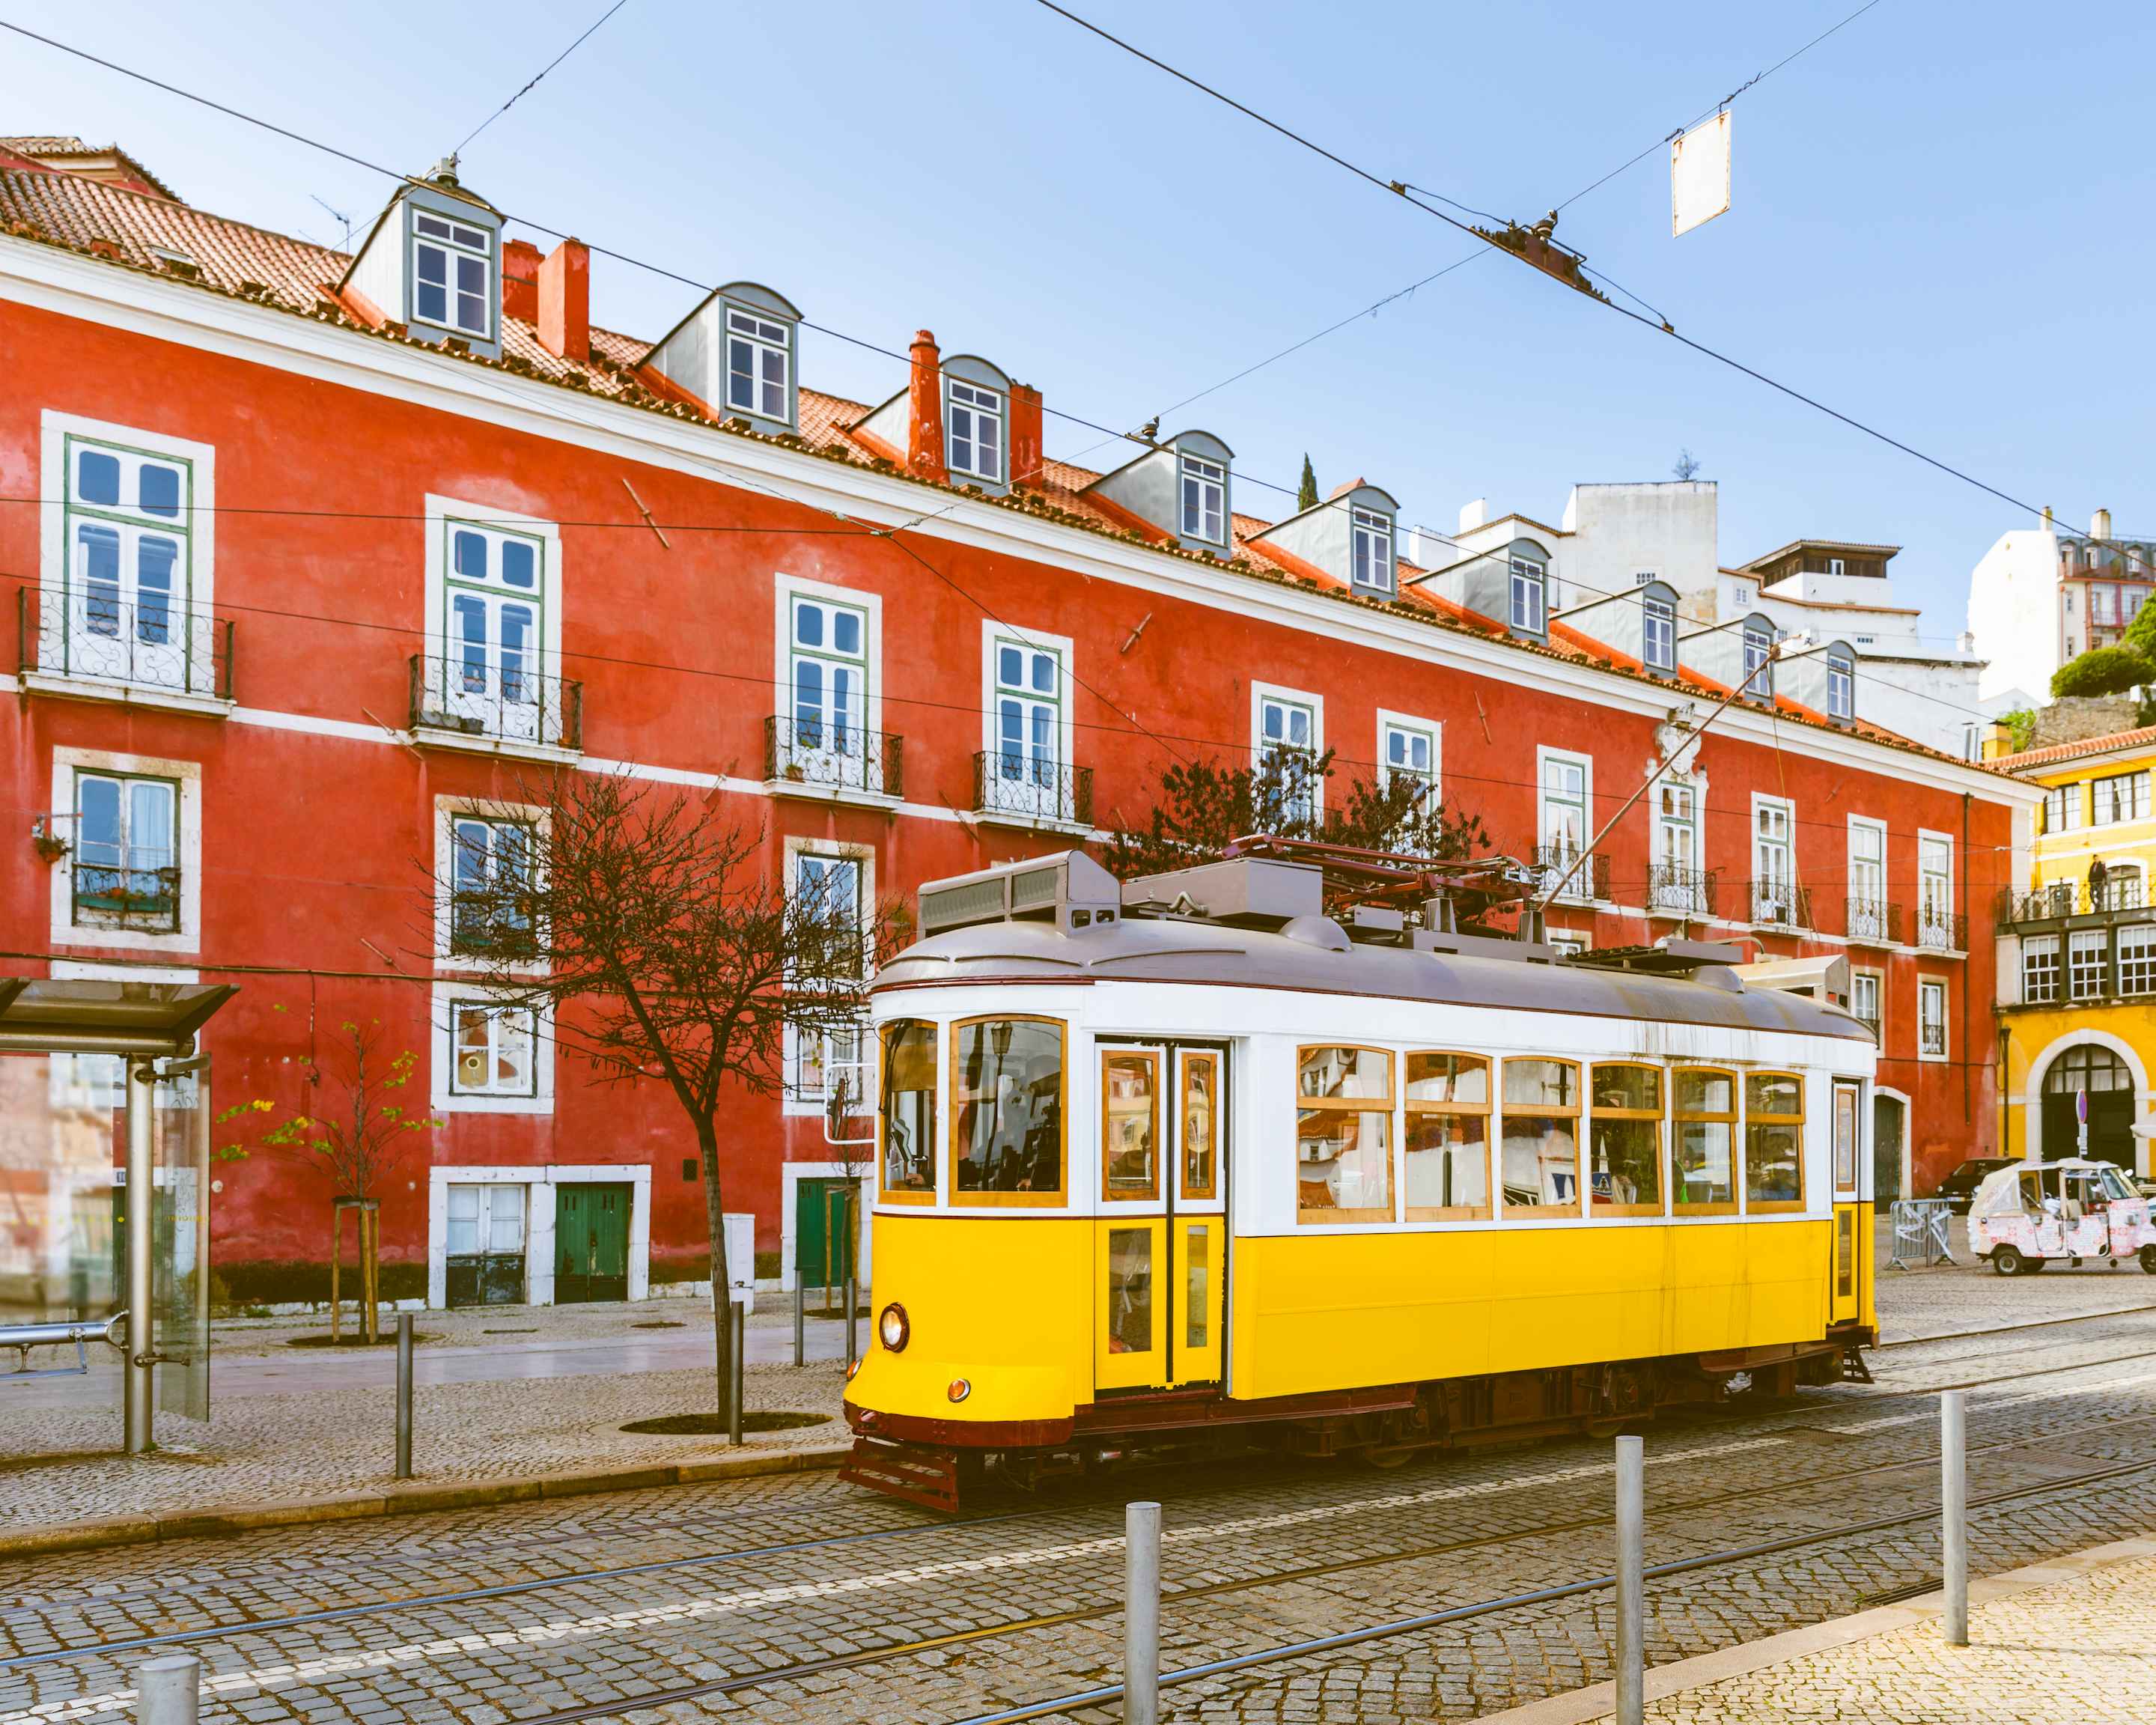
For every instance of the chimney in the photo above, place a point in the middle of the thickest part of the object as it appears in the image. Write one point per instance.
(924, 436)
(2047, 517)
(1024, 434)
(519, 279)
(565, 301)
(1473, 514)
(2100, 525)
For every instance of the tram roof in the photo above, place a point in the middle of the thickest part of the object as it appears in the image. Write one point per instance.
(1322, 960)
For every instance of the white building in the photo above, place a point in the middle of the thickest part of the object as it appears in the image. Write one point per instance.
(1618, 539)
(2043, 594)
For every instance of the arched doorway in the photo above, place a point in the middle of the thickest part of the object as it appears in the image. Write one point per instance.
(2089, 1068)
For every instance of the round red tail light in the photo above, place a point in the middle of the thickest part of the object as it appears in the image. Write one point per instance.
(960, 1389)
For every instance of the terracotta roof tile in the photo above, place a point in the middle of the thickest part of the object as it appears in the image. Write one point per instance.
(2028, 759)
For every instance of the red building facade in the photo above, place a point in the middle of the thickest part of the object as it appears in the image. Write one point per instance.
(311, 559)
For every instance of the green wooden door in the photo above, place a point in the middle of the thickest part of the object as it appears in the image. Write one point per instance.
(818, 1256)
(591, 1243)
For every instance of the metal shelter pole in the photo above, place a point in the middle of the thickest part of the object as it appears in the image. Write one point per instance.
(1954, 1505)
(139, 1399)
(1631, 1592)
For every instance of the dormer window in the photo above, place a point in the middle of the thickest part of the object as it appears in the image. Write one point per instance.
(1835, 565)
(1374, 566)
(452, 275)
(1529, 613)
(1658, 631)
(1840, 688)
(975, 419)
(1759, 683)
(759, 365)
(1205, 500)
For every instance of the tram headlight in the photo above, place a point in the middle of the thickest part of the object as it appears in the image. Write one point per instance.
(893, 1328)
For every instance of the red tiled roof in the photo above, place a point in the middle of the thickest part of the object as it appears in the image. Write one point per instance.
(106, 220)
(72, 154)
(2044, 756)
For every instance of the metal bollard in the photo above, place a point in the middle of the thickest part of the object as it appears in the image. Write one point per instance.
(852, 1300)
(1953, 1506)
(169, 1690)
(1631, 1587)
(737, 1315)
(1142, 1614)
(403, 1395)
(800, 1319)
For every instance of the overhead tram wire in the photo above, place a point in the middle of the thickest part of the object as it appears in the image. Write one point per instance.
(1398, 189)
(590, 31)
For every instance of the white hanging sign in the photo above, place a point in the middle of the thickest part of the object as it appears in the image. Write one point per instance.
(1699, 174)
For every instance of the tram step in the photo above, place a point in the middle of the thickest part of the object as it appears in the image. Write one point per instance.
(1854, 1370)
(913, 1471)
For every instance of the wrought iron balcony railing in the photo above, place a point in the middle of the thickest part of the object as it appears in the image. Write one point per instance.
(1008, 781)
(1674, 891)
(145, 643)
(2060, 899)
(1584, 876)
(115, 896)
(493, 696)
(1781, 904)
(1877, 921)
(1939, 930)
(833, 757)
(2126, 892)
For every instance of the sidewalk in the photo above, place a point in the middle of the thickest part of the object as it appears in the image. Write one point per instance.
(2073, 1640)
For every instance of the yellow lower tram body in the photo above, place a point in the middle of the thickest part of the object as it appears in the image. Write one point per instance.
(1326, 1345)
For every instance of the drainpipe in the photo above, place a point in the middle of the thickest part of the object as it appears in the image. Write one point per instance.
(2005, 1075)
(1968, 1003)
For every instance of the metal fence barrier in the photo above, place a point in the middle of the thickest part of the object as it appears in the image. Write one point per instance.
(1923, 1233)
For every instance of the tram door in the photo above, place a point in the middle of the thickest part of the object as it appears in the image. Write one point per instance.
(1162, 1235)
(1852, 1222)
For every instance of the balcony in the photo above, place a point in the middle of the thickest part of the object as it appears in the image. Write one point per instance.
(490, 704)
(814, 758)
(1939, 930)
(139, 897)
(2046, 904)
(1674, 891)
(1780, 904)
(94, 644)
(1571, 877)
(1016, 789)
(1871, 921)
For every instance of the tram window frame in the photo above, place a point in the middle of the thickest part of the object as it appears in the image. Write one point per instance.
(963, 1198)
(1681, 1117)
(885, 1192)
(1449, 1108)
(1382, 1109)
(1189, 1190)
(1658, 1115)
(1754, 1120)
(1149, 1192)
(1508, 1111)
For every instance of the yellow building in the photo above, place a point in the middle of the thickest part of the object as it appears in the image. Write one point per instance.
(2077, 964)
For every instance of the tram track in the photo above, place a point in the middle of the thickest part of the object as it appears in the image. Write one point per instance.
(1706, 1453)
(1765, 1426)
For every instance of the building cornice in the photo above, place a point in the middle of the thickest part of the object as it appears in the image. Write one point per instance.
(67, 284)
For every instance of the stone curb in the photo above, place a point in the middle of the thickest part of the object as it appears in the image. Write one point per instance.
(1595, 1703)
(219, 1521)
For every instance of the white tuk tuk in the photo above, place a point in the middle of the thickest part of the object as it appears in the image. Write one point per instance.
(2024, 1216)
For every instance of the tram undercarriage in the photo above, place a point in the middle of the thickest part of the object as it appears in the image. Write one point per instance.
(929, 1462)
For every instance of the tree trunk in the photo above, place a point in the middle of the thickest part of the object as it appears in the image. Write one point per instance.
(337, 1255)
(714, 1218)
(370, 1234)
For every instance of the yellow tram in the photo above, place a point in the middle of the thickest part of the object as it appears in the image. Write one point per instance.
(1216, 1157)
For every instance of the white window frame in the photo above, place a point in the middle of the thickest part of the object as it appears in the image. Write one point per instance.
(2088, 964)
(1836, 566)
(1759, 645)
(1680, 898)
(785, 590)
(453, 247)
(2143, 958)
(982, 405)
(443, 515)
(1655, 610)
(1528, 578)
(543, 1181)
(1263, 693)
(1842, 688)
(1931, 843)
(758, 337)
(1211, 478)
(196, 529)
(1860, 890)
(187, 851)
(448, 995)
(1787, 808)
(795, 1102)
(2134, 799)
(1928, 989)
(1580, 889)
(1876, 980)
(1430, 731)
(448, 810)
(2066, 800)
(994, 634)
(1371, 547)
(2050, 974)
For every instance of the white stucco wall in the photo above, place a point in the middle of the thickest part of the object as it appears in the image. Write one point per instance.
(2014, 611)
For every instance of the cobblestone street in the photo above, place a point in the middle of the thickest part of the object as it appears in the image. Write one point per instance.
(801, 1599)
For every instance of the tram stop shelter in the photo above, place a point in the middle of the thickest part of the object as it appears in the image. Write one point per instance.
(105, 1131)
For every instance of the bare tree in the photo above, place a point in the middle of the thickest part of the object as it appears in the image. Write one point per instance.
(1686, 465)
(357, 1130)
(655, 933)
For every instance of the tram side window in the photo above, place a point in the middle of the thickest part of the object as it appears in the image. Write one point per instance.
(1541, 1152)
(1007, 1107)
(1624, 1142)
(1448, 1137)
(909, 1112)
(1774, 1141)
(1706, 1184)
(1343, 1143)
(1130, 1124)
(1201, 1125)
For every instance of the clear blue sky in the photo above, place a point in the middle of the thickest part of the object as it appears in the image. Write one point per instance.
(1941, 219)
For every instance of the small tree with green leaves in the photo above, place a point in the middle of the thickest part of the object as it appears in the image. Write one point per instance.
(2102, 670)
(1306, 494)
(356, 1129)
